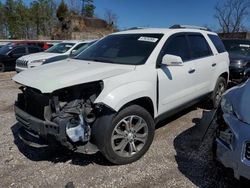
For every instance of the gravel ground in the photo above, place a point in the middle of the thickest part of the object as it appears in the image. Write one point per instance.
(177, 157)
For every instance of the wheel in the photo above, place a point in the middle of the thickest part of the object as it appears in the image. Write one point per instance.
(2, 67)
(127, 136)
(219, 89)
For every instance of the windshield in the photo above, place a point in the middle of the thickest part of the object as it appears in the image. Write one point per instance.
(5, 49)
(60, 48)
(240, 47)
(130, 49)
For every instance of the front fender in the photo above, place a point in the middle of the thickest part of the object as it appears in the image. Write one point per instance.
(126, 93)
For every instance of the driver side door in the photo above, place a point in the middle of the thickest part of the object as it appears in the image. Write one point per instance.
(175, 83)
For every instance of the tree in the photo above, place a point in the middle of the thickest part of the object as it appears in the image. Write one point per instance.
(111, 18)
(3, 22)
(231, 15)
(89, 8)
(62, 11)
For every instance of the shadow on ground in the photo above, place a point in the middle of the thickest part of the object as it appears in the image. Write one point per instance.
(194, 156)
(56, 154)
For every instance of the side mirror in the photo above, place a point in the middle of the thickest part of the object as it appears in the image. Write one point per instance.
(172, 60)
(72, 53)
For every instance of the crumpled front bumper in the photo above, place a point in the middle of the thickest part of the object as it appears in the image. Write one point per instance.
(38, 133)
(233, 146)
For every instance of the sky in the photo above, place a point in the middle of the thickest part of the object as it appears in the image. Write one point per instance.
(158, 13)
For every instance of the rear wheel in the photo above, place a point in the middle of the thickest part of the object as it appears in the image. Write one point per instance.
(2, 67)
(219, 89)
(128, 137)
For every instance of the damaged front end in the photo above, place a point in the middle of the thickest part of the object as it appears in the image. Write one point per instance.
(64, 116)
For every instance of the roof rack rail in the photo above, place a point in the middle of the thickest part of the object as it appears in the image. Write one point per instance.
(189, 27)
(133, 28)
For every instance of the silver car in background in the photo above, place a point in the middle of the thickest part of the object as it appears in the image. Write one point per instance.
(232, 143)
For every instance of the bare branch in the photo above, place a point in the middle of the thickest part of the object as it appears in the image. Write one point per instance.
(231, 14)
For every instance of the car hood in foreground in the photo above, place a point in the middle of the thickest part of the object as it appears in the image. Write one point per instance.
(69, 72)
(38, 56)
(239, 97)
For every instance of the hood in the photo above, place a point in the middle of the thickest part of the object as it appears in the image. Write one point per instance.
(239, 97)
(69, 72)
(38, 56)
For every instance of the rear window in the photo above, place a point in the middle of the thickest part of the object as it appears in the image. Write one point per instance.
(33, 50)
(217, 43)
(199, 46)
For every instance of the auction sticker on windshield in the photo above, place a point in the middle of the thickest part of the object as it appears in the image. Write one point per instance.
(148, 39)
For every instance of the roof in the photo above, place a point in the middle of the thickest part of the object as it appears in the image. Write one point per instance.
(162, 30)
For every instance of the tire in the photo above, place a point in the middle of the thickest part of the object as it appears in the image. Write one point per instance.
(126, 136)
(2, 67)
(219, 89)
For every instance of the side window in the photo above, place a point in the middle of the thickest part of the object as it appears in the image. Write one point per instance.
(199, 46)
(78, 46)
(33, 50)
(19, 51)
(178, 46)
(217, 43)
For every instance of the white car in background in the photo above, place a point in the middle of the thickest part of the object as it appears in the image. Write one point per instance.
(57, 52)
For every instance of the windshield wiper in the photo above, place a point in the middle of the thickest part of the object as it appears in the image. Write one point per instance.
(100, 60)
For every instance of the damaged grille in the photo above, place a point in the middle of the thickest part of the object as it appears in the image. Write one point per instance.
(247, 151)
(33, 102)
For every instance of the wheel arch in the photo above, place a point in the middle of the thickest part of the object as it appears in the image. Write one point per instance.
(225, 75)
(144, 102)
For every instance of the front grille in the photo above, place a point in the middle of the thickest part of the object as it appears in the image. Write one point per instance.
(247, 151)
(33, 102)
(21, 63)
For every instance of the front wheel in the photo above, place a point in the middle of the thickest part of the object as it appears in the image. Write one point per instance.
(219, 89)
(127, 137)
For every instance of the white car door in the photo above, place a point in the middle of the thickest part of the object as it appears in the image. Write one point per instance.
(176, 83)
(204, 61)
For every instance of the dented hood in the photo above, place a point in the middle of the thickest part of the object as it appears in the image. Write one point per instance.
(69, 72)
(239, 97)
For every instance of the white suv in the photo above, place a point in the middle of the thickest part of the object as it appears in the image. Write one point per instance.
(111, 96)
(57, 52)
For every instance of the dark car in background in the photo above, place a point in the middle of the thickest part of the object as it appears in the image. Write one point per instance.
(10, 53)
(239, 53)
(40, 44)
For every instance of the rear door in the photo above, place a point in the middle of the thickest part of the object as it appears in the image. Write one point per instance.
(204, 62)
(176, 83)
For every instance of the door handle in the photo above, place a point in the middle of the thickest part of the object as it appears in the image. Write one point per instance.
(214, 64)
(191, 71)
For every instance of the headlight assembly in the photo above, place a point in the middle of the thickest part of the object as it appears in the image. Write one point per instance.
(38, 61)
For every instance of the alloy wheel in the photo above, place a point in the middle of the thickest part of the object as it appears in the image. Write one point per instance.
(129, 136)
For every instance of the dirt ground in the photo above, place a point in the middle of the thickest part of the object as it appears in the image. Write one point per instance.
(177, 157)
